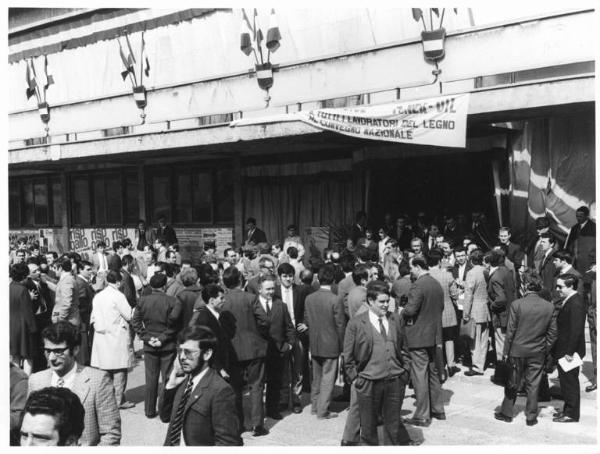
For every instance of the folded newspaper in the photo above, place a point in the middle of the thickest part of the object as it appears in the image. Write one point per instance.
(568, 365)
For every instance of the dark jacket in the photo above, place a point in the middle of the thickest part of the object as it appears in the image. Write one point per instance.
(325, 318)
(251, 325)
(501, 293)
(21, 322)
(157, 315)
(281, 330)
(223, 332)
(166, 233)
(85, 294)
(570, 323)
(297, 302)
(258, 236)
(209, 418)
(547, 272)
(188, 297)
(531, 328)
(358, 344)
(128, 288)
(423, 313)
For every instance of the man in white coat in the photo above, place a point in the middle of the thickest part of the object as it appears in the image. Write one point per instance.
(111, 314)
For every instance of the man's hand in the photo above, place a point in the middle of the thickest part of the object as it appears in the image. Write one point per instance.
(177, 375)
(466, 318)
(224, 374)
(301, 327)
(569, 358)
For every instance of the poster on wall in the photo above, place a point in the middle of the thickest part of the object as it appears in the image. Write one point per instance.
(83, 241)
(192, 241)
(45, 238)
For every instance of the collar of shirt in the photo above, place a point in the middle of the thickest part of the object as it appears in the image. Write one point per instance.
(493, 269)
(583, 225)
(326, 287)
(375, 322)
(548, 252)
(69, 378)
(263, 302)
(83, 277)
(212, 311)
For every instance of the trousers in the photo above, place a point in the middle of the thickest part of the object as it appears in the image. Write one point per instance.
(324, 373)
(426, 382)
(529, 372)
(156, 363)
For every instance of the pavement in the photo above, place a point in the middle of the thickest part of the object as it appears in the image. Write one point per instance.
(469, 403)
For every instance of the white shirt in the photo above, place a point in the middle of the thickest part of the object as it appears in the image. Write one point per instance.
(264, 302)
(102, 262)
(69, 378)
(461, 272)
(288, 298)
(492, 269)
(214, 312)
(375, 322)
(195, 382)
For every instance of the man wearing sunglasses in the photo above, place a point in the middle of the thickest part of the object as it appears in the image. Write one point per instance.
(94, 388)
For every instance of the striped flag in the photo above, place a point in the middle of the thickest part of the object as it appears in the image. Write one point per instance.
(436, 11)
(273, 34)
(47, 78)
(433, 43)
(30, 79)
(144, 63)
(258, 31)
(127, 61)
(245, 38)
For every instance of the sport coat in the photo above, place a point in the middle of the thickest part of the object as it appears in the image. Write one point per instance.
(102, 421)
(157, 315)
(423, 313)
(251, 325)
(85, 293)
(297, 302)
(22, 323)
(454, 271)
(324, 316)
(576, 231)
(114, 262)
(203, 316)
(531, 328)
(188, 297)
(547, 272)
(66, 301)
(570, 323)
(343, 289)
(281, 330)
(501, 293)
(209, 417)
(258, 236)
(514, 253)
(358, 344)
(128, 288)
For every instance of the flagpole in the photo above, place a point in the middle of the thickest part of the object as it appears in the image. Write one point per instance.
(142, 61)
(269, 56)
(430, 19)
(442, 19)
(36, 89)
(255, 56)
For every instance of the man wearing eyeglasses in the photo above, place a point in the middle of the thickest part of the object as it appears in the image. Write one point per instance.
(102, 422)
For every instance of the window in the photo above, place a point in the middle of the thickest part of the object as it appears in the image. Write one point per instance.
(35, 202)
(132, 199)
(190, 195)
(107, 199)
(80, 201)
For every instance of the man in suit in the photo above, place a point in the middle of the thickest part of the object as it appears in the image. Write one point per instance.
(377, 362)
(582, 239)
(155, 320)
(571, 339)
(347, 262)
(546, 270)
(211, 314)
(289, 294)
(198, 404)
(100, 264)
(280, 340)
(143, 237)
(266, 266)
(402, 233)
(459, 272)
(530, 335)
(359, 229)
(165, 232)
(85, 295)
(254, 235)
(501, 293)
(534, 250)
(127, 284)
(563, 264)
(102, 422)
(513, 252)
(189, 295)
(52, 417)
(417, 246)
(324, 317)
(249, 348)
(423, 318)
(114, 260)
(66, 302)
(429, 242)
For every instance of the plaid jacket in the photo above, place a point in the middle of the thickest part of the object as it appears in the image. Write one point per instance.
(102, 421)
(445, 278)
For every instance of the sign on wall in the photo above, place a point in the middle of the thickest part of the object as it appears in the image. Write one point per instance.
(45, 237)
(440, 121)
(83, 241)
(191, 241)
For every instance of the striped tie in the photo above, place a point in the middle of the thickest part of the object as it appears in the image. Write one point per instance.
(60, 383)
(177, 424)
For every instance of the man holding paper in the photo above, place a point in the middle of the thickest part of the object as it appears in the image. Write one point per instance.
(570, 346)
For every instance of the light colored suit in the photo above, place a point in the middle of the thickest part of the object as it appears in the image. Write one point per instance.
(66, 301)
(102, 421)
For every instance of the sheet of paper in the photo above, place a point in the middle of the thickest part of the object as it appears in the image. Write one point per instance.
(568, 365)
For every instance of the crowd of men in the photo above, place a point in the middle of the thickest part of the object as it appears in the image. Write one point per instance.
(400, 305)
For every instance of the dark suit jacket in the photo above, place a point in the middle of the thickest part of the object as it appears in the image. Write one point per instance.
(252, 285)
(251, 325)
(128, 288)
(157, 315)
(188, 297)
(531, 328)
(501, 293)
(22, 324)
(258, 236)
(570, 323)
(203, 316)
(357, 233)
(209, 418)
(423, 313)
(358, 344)
(297, 302)
(166, 233)
(281, 330)
(547, 272)
(514, 253)
(113, 262)
(576, 231)
(403, 237)
(86, 295)
(324, 316)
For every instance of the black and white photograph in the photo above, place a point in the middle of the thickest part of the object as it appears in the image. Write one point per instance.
(278, 225)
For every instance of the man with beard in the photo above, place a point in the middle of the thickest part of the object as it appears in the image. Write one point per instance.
(198, 403)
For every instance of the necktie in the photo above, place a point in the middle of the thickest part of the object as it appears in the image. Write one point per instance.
(382, 330)
(61, 382)
(268, 308)
(175, 436)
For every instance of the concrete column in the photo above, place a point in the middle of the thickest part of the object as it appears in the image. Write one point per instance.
(238, 203)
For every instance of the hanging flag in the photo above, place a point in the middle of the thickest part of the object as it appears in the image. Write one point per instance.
(436, 11)
(31, 82)
(245, 39)
(127, 62)
(273, 34)
(48, 78)
(257, 30)
(417, 14)
(131, 55)
(433, 43)
(144, 63)
(147, 68)
(455, 10)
